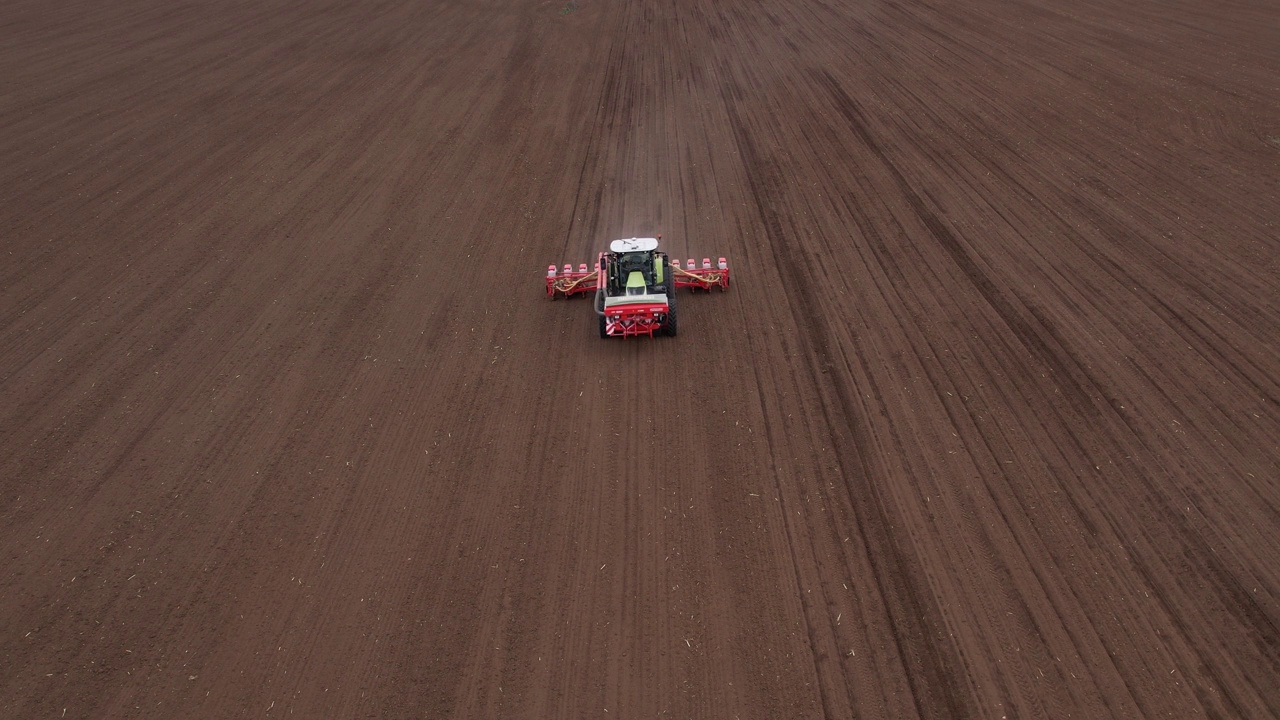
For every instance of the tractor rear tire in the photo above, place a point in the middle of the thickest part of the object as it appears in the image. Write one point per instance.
(669, 327)
(604, 327)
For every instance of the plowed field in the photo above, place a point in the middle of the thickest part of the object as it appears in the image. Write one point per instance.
(987, 425)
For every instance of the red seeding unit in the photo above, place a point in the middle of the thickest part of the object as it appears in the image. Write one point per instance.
(635, 286)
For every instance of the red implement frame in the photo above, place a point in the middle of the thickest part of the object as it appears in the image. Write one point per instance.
(632, 320)
(569, 282)
(702, 278)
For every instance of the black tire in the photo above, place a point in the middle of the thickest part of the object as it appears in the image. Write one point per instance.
(604, 327)
(669, 327)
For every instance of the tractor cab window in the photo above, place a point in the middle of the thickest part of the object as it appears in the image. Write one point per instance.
(636, 262)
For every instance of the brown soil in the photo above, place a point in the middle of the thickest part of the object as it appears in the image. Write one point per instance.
(986, 427)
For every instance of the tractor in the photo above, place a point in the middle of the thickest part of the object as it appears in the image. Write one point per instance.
(635, 286)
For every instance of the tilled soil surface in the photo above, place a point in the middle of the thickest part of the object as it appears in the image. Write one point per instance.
(987, 425)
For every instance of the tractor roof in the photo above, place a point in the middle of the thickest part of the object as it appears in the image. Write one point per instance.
(633, 245)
